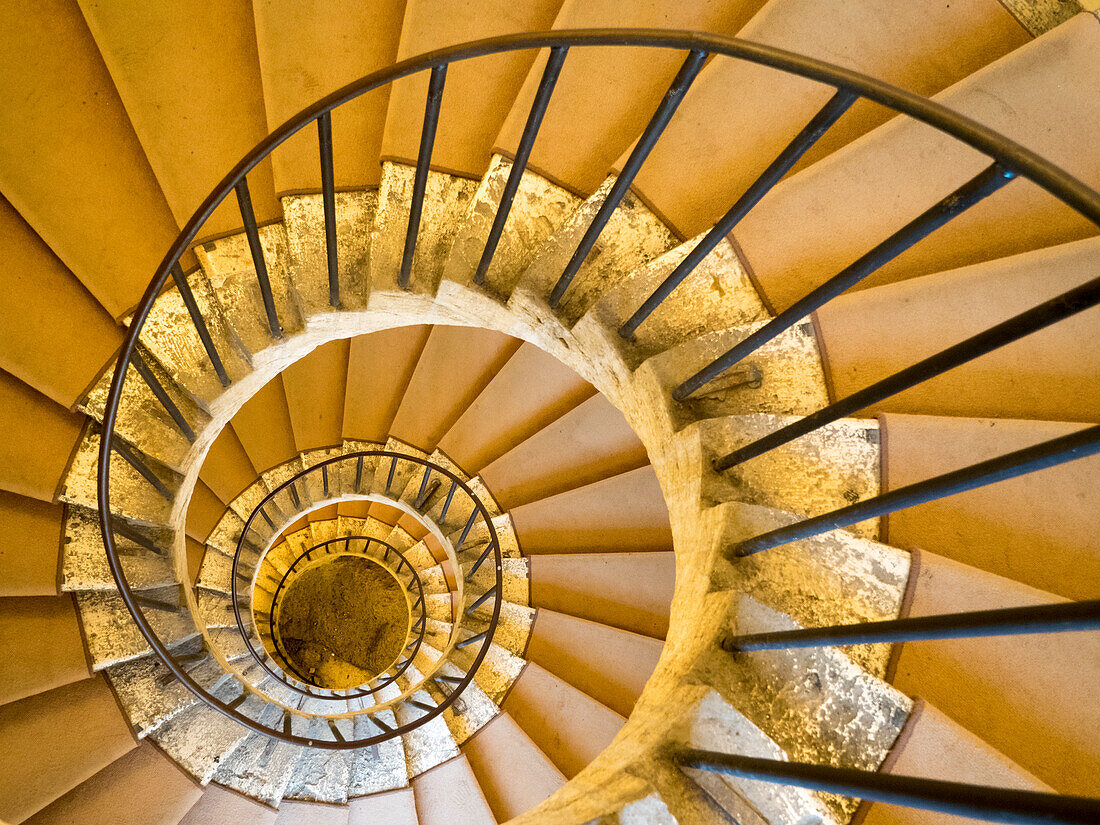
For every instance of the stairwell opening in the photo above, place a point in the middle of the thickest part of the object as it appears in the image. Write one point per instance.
(341, 621)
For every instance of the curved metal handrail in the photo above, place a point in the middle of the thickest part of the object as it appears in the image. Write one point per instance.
(376, 684)
(1010, 160)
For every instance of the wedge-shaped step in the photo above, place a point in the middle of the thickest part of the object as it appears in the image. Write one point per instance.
(260, 767)
(833, 578)
(142, 418)
(111, 635)
(591, 442)
(229, 268)
(832, 467)
(111, 795)
(628, 590)
(512, 772)
(632, 237)
(321, 775)
(446, 199)
(377, 768)
(84, 564)
(449, 795)
(992, 687)
(716, 294)
(169, 333)
(537, 211)
(937, 748)
(623, 513)
(429, 744)
(784, 377)
(219, 805)
(200, 740)
(308, 258)
(610, 665)
(569, 726)
(716, 725)
(133, 496)
(55, 740)
(151, 695)
(815, 703)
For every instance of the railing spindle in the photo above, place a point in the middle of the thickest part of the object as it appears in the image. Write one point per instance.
(1067, 617)
(974, 801)
(523, 154)
(680, 84)
(188, 298)
(252, 232)
(423, 163)
(328, 198)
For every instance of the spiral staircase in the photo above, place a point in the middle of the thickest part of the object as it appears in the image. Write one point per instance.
(719, 417)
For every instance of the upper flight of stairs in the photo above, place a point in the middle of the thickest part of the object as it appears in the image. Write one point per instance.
(119, 118)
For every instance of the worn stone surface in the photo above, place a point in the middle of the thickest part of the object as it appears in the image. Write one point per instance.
(784, 377)
(320, 775)
(714, 295)
(308, 256)
(349, 470)
(834, 578)
(378, 767)
(716, 725)
(150, 696)
(215, 609)
(1038, 16)
(170, 335)
(650, 810)
(315, 482)
(513, 629)
(232, 275)
(429, 744)
(516, 579)
(815, 703)
(110, 634)
(832, 467)
(446, 199)
(84, 562)
(538, 209)
(260, 767)
(199, 740)
(132, 497)
(141, 419)
(391, 478)
(632, 237)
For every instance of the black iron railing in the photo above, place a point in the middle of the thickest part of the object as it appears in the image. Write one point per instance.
(1007, 161)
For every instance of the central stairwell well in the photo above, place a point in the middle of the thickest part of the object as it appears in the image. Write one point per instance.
(675, 524)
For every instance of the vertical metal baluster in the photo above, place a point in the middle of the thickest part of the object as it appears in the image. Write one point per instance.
(423, 161)
(423, 488)
(162, 396)
(203, 331)
(358, 473)
(328, 198)
(523, 153)
(642, 148)
(447, 503)
(252, 232)
(140, 466)
(389, 478)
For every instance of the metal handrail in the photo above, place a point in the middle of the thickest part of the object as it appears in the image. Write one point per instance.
(1009, 160)
(376, 684)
